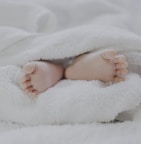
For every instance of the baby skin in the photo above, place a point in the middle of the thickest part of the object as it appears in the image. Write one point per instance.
(105, 65)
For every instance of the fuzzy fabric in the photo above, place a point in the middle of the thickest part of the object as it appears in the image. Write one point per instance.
(31, 35)
(70, 111)
(118, 133)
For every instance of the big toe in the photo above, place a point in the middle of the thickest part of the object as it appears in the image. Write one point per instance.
(109, 54)
(29, 67)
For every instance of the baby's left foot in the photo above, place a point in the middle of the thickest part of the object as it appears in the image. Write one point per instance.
(105, 65)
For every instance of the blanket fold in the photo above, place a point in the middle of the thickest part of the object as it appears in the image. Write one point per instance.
(68, 101)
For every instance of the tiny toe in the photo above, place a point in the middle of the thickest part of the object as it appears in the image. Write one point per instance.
(29, 89)
(25, 84)
(118, 79)
(109, 54)
(29, 67)
(25, 78)
(35, 93)
(122, 65)
(120, 58)
(121, 72)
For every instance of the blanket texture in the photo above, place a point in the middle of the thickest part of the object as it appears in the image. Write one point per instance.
(36, 31)
(120, 133)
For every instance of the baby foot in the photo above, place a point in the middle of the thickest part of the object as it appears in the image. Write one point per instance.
(39, 76)
(106, 66)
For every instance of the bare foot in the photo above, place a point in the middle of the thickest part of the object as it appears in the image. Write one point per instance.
(106, 66)
(39, 76)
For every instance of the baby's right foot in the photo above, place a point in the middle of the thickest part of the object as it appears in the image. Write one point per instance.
(106, 66)
(39, 76)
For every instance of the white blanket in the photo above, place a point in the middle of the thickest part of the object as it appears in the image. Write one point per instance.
(53, 30)
(120, 133)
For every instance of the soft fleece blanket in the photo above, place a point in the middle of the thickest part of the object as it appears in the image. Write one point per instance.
(55, 30)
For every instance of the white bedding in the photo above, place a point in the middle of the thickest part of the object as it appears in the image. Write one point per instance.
(55, 29)
(113, 133)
